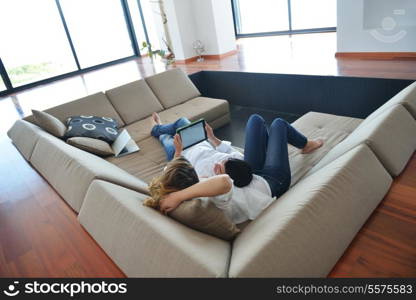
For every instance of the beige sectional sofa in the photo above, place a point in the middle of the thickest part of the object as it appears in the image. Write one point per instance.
(301, 234)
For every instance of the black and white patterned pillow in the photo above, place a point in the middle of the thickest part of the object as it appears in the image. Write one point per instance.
(101, 128)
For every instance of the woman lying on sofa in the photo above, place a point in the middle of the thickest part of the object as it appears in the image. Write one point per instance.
(261, 174)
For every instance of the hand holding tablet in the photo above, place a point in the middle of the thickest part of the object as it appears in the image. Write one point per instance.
(193, 133)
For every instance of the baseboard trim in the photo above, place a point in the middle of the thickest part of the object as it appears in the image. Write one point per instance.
(377, 55)
(209, 56)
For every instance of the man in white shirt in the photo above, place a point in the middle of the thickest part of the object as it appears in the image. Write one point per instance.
(251, 193)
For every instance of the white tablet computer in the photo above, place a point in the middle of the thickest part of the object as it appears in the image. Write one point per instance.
(193, 133)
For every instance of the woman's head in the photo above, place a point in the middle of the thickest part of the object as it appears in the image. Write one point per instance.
(178, 175)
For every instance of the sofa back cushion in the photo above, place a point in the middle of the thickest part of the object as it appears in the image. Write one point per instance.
(407, 98)
(305, 231)
(92, 105)
(391, 136)
(134, 101)
(172, 87)
(314, 125)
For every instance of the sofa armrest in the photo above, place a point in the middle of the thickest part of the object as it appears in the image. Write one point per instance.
(145, 243)
(71, 170)
(305, 231)
(25, 136)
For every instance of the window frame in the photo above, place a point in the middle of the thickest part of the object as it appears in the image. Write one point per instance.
(10, 89)
(237, 25)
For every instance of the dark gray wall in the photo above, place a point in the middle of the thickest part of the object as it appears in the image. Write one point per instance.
(299, 94)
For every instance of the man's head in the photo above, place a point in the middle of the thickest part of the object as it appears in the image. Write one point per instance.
(239, 171)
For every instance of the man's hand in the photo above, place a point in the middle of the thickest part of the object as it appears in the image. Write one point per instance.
(178, 145)
(211, 136)
(169, 203)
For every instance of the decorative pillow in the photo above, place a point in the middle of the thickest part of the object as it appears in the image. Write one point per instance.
(49, 123)
(206, 217)
(94, 146)
(101, 128)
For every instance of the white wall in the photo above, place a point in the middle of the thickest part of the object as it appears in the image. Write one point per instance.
(205, 25)
(210, 21)
(376, 26)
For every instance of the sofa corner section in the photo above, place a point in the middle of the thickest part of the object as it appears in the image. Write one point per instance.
(144, 243)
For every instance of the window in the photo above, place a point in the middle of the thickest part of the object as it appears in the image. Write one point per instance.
(263, 15)
(313, 14)
(283, 16)
(2, 85)
(34, 45)
(43, 39)
(150, 10)
(98, 30)
(138, 25)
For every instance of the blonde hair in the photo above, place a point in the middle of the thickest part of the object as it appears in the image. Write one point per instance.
(178, 175)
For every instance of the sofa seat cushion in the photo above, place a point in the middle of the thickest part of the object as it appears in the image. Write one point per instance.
(210, 109)
(333, 129)
(391, 136)
(201, 107)
(140, 130)
(172, 87)
(92, 105)
(145, 164)
(138, 165)
(134, 101)
(305, 231)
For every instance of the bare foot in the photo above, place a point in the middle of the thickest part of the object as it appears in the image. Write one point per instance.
(155, 119)
(312, 146)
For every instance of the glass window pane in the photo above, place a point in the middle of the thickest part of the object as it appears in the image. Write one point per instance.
(151, 18)
(33, 41)
(2, 86)
(137, 23)
(98, 30)
(263, 15)
(308, 14)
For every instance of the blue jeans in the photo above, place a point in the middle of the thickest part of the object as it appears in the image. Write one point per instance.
(165, 133)
(266, 151)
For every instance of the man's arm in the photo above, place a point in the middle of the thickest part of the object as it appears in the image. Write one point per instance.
(222, 146)
(178, 145)
(214, 186)
(211, 136)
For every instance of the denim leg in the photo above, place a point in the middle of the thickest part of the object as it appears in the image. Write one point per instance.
(168, 145)
(294, 137)
(256, 142)
(170, 128)
(165, 133)
(276, 166)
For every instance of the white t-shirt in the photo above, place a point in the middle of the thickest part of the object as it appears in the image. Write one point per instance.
(239, 204)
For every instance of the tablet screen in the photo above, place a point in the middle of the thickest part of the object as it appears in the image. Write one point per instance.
(193, 134)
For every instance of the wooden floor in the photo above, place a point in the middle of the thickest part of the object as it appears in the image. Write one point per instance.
(386, 245)
(41, 237)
